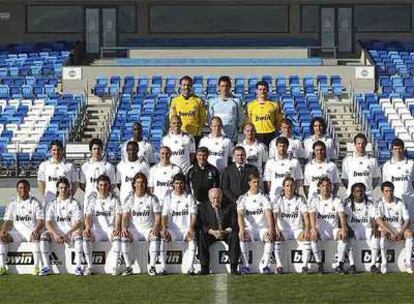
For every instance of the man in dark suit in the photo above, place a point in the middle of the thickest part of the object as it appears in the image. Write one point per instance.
(234, 180)
(218, 222)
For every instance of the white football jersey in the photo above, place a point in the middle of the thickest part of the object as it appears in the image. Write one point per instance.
(64, 214)
(360, 169)
(315, 171)
(276, 169)
(145, 150)
(329, 143)
(219, 148)
(295, 149)
(50, 171)
(360, 215)
(90, 172)
(181, 145)
(327, 211)
(125, 172)
(103, 212)
(160, 178)
(253, 207)
(394, 214)
(142, 211)
(401, 174)
(256, 154)
(24, 214)
(179, 208)
(290, 212)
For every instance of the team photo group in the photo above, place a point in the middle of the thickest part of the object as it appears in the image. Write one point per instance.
(247, 179)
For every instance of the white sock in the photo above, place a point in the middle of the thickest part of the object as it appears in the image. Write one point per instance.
(267, 254)
(126, 248)
(315, 250)
(383, 248)
(278, 253)
(163, 254)
(341, 248)
(78, 250)
(87, 250)
(191, 252)
(375, 246)
(244, 249)
(306, 252)
(351, 252)
(36, 254)
(154, 247)
(45, 251)
(116, 247)
(3, 254)
(408, 251)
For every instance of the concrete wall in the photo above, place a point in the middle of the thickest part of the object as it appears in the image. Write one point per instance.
(89, 74)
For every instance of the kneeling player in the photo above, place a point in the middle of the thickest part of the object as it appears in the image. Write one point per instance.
(328, 221)
(394, 221)
(292, 222)
(360, 213)
(256, 223)
(63, 223)
(141, 220)
(23, 222)
(179, 216)
(102, 222)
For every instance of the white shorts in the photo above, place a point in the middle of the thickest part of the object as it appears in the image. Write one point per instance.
(19, 236)
(140, 234)
(177, 234)
(291, 234)
(257, 234)
(327, 234)
(362, 234)
(102, 235)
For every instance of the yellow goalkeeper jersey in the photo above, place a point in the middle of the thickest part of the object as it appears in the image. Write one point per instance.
(192, 113)
(266, 117)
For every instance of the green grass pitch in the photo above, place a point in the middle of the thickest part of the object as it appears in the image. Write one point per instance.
(289, 288)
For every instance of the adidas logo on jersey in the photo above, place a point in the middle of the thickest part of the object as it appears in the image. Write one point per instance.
(366, 256)
(26, 218)
(296, 257)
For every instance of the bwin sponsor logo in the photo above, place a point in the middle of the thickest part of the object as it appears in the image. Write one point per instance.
(219, 153)
(164, 184)
(187, 114)
(290, 215)
(329, 216)
(63, 219)
(128, 179)
(223, 257)
(20, 258)
(54, 260)
(399, 179)
(392, 219)
(172, 257)
(179, 152)
(103, 213)
(93, 179)
(362, 174)
(263, 118)
(140, 213)
(53, 178)
(25, 218)
(361, 221)
(366, 257)
(254, 212)
(180, 213)
(296, 257)
(98, 258)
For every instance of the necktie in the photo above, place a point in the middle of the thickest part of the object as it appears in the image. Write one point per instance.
(241, 170)
(217, 214)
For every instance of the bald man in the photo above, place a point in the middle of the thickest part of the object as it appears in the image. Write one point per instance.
(218, 222)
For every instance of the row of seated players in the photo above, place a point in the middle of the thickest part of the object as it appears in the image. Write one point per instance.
(254, 217)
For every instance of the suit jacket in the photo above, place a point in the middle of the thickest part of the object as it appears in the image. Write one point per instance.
(234, 184)
(208, 219)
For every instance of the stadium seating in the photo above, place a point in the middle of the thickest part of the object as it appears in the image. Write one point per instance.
(147, 100)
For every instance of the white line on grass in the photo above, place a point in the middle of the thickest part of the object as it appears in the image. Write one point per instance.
(220, 288)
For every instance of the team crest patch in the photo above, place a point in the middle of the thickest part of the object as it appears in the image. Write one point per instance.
(165, 172)
(176, 142)
(360, 163)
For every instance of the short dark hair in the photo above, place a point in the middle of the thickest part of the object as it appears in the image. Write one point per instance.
(179, 177)
(397, 142)
(224, 79)
(324, 179)
(95, 141)
(56, 142)
(133, 143)
(137, 123)
(321, 121)
(253, 175)
(318, 143)
(203, 150)
(239, 148)
(103, 178)
(361, 136)
(282, 140)
(286, 121)
(262, 83)
(387, 184)
(186, 77)
(24, 182)
(63, 180)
